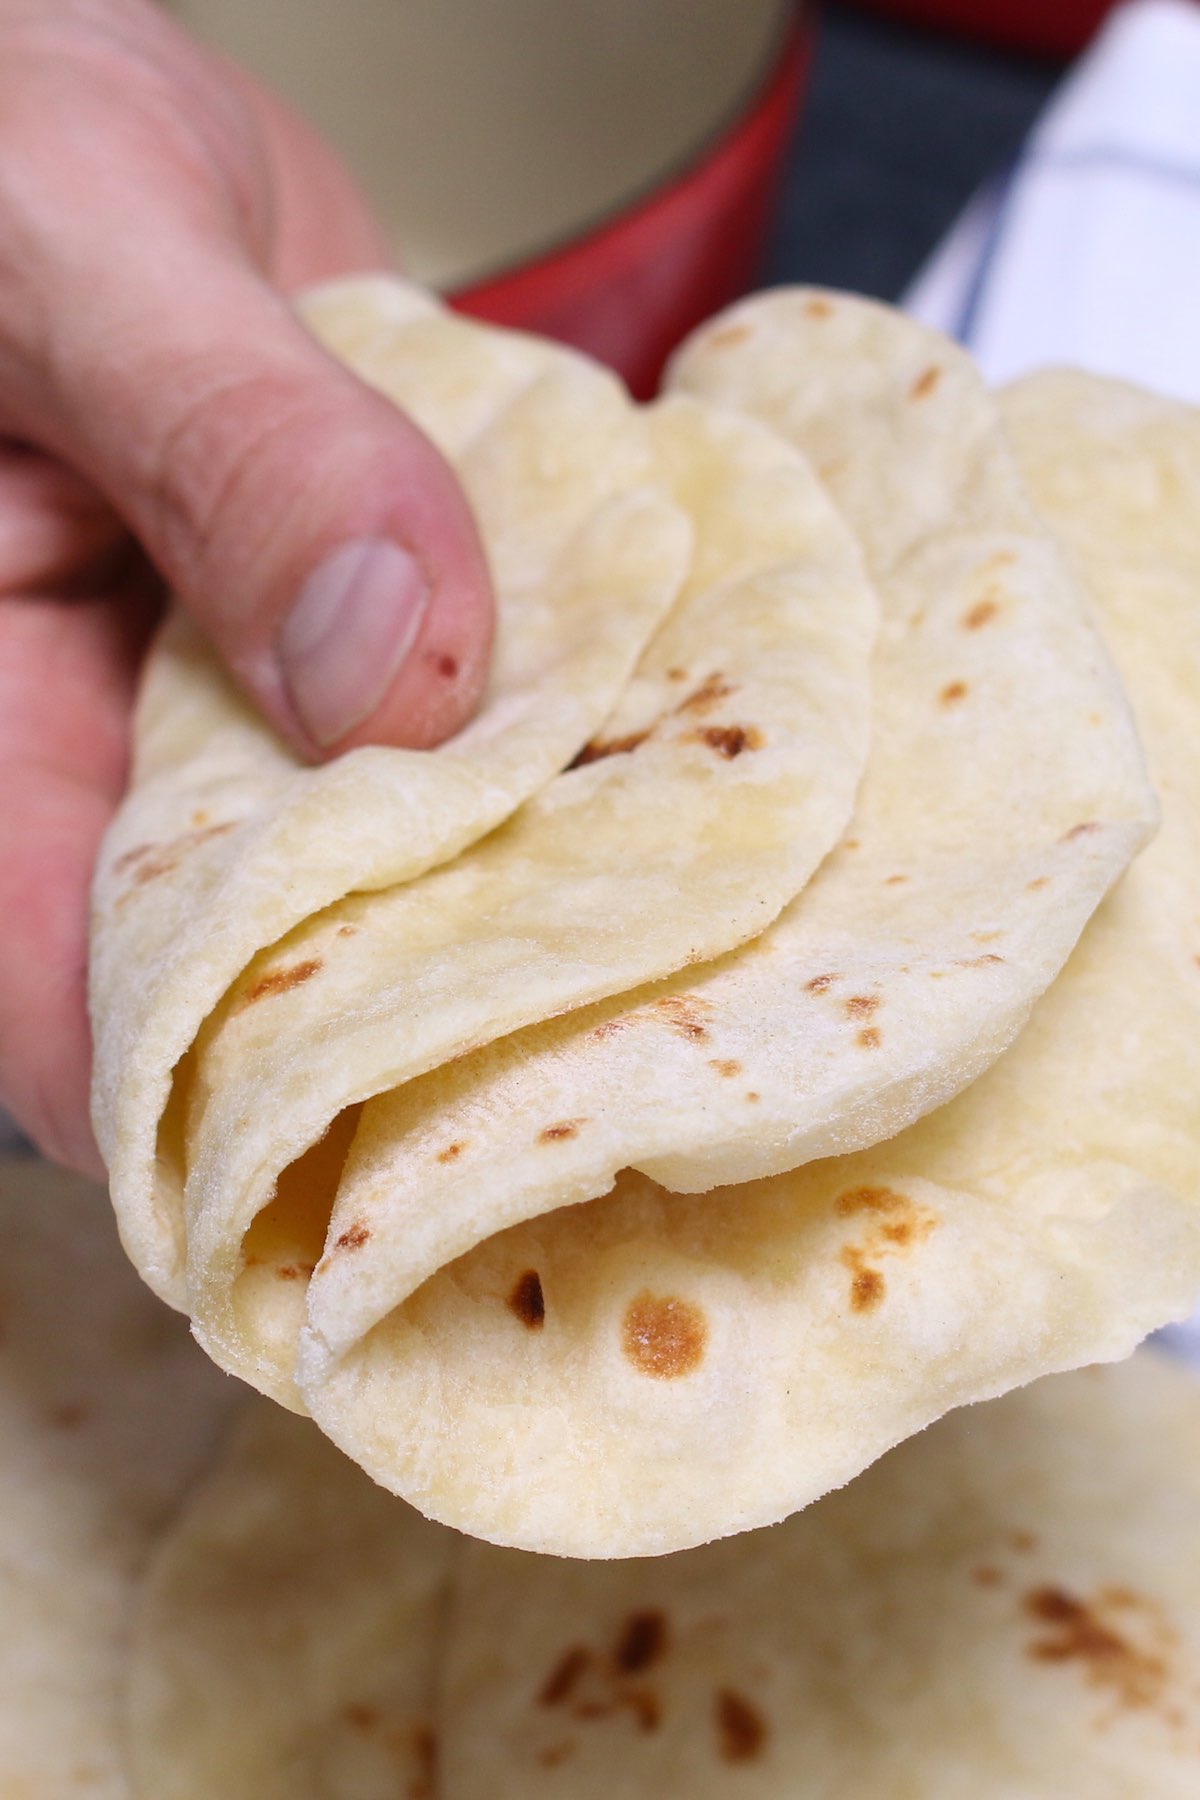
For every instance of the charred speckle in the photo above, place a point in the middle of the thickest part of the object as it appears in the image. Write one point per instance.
(642, 1641)
(354, 1237)
(564, 1677)
(741, 1728)
(281, 981)
(528, 1301)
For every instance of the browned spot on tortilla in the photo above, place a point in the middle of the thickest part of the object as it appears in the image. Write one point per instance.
(1039, 881)
(451, 1152)
(985, 937)
(851, 844)
(599, 748)
(281, 981)
(894, 880)
(978, 962)
(1024, 1541)
(1076, 1631)
(445, 665)
(829, 471)
(981, 614)
(987, 1575)
(752, 1097)
(677, 674)
(861, 1006)
(148, 861)
(925, 383)
(663, 1336)
(557, 1134)
(820, 983)
(293, 1271)
(641, 1642)
(645, 1706)
(70, 1415)
(199, 817)
(730, 740)
(1078, 831)
(871, 1038)
(712, 690)
(685, 1013)
(818, 309)
(564, 1676)
(348, 930)
(725, 1065)
(361, 1716)
(871, 1200)
(867, 1286)
(728, 335)
(554, 1754)
(354, 1237)
(953, 692)
(528, 1301)
(424, 1784)
(741, 1728)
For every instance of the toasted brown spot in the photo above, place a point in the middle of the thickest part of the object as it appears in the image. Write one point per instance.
(641, 1642)
(900, 1231)
(685, 1013)
(70, 1415)
(730, 740)
(725, 1065)
(867, 1286)
(871, 1038)
(677, 674)
(894, 880)
(452, 1152)
(557, 1134)
(981, 614)
(925, 383)
(986, 937)
(752, 1097)
(354, 1238)
(362, 1717)
(712, 690)
(554, 1754)
(851, 844)
(1078, 831)
(599, 748)
(293, 1271)
(978, 962)
(564, 1676)
(861, 1006)
(1024, 1541)
(528, 1301)
(741, 1728)
(818, 309)
(347, 930)
(953, 692)
(729, 335)
(663, 1336)
(1039, 881)
(424, 1784)
(871, 1200)
(820, 984)
(148, 861)
(281, 981)
(645, 1706)
(987, 1575)
(1078, 1633)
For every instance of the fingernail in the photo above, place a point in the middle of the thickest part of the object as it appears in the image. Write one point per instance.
(354, 623)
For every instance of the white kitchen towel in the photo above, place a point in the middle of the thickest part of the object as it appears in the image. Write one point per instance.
(1088, 250)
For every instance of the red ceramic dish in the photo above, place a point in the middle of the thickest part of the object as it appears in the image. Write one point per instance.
(630, 288)
(1047, 27)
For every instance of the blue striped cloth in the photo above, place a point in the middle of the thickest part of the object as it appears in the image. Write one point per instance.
(1087, 250)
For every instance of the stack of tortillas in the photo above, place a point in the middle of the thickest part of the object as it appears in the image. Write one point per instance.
(773, 1023)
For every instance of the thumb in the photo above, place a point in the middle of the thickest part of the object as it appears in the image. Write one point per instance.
(317, 536)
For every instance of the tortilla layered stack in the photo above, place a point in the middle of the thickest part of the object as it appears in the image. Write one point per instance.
(588, 1162)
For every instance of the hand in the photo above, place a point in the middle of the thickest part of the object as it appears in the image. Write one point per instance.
(165, 419)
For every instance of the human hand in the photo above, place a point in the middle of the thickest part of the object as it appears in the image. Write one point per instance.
(165, 419)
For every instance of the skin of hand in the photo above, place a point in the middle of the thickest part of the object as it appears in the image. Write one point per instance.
(165, 421)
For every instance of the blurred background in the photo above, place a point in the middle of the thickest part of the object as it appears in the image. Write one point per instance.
(612, 171)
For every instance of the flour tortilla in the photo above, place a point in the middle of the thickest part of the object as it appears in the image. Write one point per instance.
(107, 1410)
(286, 1632)
(226, 841)
(1008, 1605)
(809, 1321)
